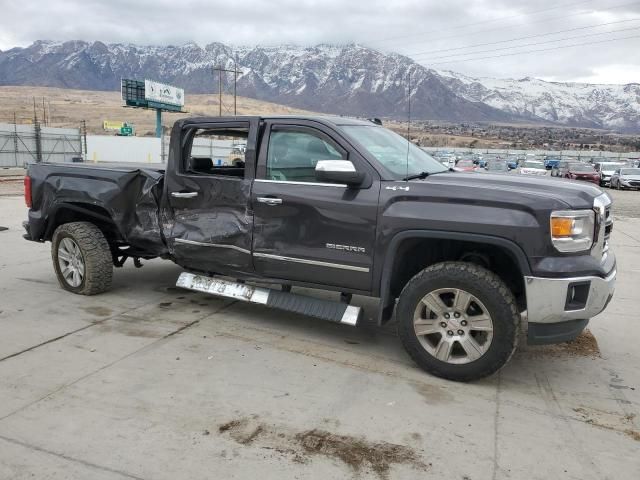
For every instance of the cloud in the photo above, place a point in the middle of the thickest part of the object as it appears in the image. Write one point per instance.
(404, 26)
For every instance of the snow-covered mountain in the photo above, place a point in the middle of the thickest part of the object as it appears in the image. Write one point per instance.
(579, 104)
(347, 79)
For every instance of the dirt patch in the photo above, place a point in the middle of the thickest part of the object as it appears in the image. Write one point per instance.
(125, 328)
(432, 393)
(98, 311)
(609, 421)
(584, 345)
(358, 453)
(233, 424)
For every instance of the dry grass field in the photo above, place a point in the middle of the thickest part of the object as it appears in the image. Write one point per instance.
(67, 108)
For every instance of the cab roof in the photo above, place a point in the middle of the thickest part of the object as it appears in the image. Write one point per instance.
(326, 119)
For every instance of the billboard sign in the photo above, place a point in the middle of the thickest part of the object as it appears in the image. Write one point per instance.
(111, 125)
(162, 93)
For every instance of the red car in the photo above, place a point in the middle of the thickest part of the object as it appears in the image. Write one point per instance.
(582, 171)
(465, 166)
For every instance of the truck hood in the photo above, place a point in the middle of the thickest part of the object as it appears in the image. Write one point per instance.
(532, 191)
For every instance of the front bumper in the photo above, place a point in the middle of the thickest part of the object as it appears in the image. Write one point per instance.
(559, 308)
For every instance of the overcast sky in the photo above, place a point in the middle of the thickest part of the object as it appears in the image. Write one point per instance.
(429, 31)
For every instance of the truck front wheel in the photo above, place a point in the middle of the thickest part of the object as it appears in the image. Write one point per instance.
(458, 321)
(82, 258)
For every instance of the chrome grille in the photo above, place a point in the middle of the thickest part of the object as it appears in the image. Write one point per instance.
(602, 207)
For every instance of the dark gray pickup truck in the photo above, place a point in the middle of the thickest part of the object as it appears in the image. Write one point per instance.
(467, 262)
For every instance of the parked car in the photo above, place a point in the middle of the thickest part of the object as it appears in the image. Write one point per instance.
(561, 166)
(512, 163)
(579, 171)
(496, 166)
(531, 167)
(465, 166)
(338, 204)
(606, 169)
(626, 178)
(549, 163)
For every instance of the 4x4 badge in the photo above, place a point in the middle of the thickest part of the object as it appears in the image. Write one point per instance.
(394, 188)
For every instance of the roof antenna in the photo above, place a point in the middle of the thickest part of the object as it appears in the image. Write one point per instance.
(408, 120)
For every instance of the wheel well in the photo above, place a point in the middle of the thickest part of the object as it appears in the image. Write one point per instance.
(416, 254)
(97, 215)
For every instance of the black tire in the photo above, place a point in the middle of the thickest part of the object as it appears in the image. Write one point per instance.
(490, 290)
(96, 254)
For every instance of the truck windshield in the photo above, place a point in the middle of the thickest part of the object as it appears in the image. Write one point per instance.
(390, 149)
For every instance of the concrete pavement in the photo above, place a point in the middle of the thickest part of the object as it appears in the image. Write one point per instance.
(151, 382)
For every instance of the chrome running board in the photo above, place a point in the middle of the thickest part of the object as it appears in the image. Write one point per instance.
(331, 311)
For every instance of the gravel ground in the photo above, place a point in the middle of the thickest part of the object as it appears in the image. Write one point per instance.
(11, 187)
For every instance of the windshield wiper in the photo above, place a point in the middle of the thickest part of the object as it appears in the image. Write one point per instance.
(423, 175)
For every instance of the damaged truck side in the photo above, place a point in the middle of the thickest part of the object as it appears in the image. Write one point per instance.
(466, 262)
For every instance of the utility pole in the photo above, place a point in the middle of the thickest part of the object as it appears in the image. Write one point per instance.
(220, 70)
(235, 86)
(83, 132)
(220, 91)
(15, 138)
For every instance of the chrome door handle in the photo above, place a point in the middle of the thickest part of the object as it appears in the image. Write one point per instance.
(184, 194)
(270, 200)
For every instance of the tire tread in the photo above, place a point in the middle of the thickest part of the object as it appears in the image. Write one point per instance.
(96, 252)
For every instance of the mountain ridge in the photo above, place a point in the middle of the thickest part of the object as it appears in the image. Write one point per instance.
(343, 79)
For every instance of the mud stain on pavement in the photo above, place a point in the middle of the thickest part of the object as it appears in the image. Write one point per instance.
(584, 345)
(129, 329)
(98, 311)
(432, 393)
(358, 453)
(609, 421)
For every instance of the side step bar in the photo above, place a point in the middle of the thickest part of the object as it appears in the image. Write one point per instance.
(337, 312)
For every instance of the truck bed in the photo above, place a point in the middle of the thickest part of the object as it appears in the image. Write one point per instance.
(127, 195)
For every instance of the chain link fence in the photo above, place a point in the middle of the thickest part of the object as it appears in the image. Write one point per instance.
(24, 144)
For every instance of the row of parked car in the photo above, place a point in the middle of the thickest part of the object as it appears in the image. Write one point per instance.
(614, 174)
(620, 175)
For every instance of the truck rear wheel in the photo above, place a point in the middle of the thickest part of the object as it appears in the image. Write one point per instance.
(458, 321)
(82, 258)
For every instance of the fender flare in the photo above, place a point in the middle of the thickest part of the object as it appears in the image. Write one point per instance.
(76, 208)
(387, 303)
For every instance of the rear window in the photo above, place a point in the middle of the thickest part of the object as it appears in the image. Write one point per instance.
(581, 167)
(532, 164)
(465, 163)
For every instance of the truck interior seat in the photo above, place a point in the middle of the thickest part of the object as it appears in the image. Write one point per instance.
(201, 164)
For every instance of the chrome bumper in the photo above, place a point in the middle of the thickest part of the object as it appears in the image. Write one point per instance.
(553, 300)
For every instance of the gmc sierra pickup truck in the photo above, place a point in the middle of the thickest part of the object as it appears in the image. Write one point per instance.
(466, 262)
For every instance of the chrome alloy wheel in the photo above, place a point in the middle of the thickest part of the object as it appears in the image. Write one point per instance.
(453, 326)
(71, 262)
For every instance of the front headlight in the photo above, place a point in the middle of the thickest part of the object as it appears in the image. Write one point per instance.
(572, 230)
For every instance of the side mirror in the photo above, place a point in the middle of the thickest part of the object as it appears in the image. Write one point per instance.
(338, 171)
